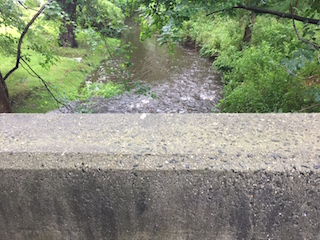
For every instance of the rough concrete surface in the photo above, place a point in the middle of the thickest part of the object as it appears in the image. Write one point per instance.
(197, 176)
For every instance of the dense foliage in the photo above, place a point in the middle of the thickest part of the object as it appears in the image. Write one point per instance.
(268, 64)
(107, 18)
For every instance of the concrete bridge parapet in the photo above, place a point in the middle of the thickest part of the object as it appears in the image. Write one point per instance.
(154, 176)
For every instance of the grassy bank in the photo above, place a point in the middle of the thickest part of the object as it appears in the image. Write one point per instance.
(65, 76)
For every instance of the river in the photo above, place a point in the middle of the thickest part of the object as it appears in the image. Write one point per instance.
(181, 82)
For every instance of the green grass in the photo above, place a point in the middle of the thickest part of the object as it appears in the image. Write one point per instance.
(28, 93)
(65, 79)
(11, 31)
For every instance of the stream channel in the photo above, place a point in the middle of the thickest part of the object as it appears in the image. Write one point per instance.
(181, 82)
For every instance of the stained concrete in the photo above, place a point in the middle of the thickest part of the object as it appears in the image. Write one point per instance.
(199, 176)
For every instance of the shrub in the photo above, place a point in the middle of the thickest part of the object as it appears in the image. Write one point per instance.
(213, 35)
(89, 37)
(106, 90)
(279, 34)
(256, 82)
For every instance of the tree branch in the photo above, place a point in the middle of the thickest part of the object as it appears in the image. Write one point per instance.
(217, 11)
(25, 7)
(317, 47)
(22, 36)
(268, 11)
(44, 83)
(309, 107)
(36, 10)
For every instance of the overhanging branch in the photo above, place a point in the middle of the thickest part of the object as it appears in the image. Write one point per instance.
(45, 84)
(316, 46)
(268, 11)
(22, 36)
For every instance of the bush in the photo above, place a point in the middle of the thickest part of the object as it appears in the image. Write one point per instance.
(213, 35)
(90, 38)
(106, 90)
(279, 34)
(256, 82)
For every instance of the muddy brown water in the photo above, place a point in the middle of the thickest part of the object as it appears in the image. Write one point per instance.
(179, 82)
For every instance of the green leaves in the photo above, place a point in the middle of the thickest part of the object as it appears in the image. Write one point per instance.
(166, 18)
(299, 58)
(10, 14)
(105, 90)
(9, 41)
(101, 15)
(256, 79)
(54, 11)
(169, 34)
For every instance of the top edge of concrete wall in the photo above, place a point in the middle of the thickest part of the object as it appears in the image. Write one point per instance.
(161, 141)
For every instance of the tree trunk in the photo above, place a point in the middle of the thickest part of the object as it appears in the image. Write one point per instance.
(5, 106)
(67, 37)
(248, 30)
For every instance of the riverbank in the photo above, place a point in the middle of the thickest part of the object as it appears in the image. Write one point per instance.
(272, 72)
(65, 77)
(46, 67)
(159, 81)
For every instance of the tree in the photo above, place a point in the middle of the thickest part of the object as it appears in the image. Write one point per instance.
(8, 17)
(67, 36)
(5, 106)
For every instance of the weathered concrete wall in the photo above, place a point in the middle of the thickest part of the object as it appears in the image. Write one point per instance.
(202, 176)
